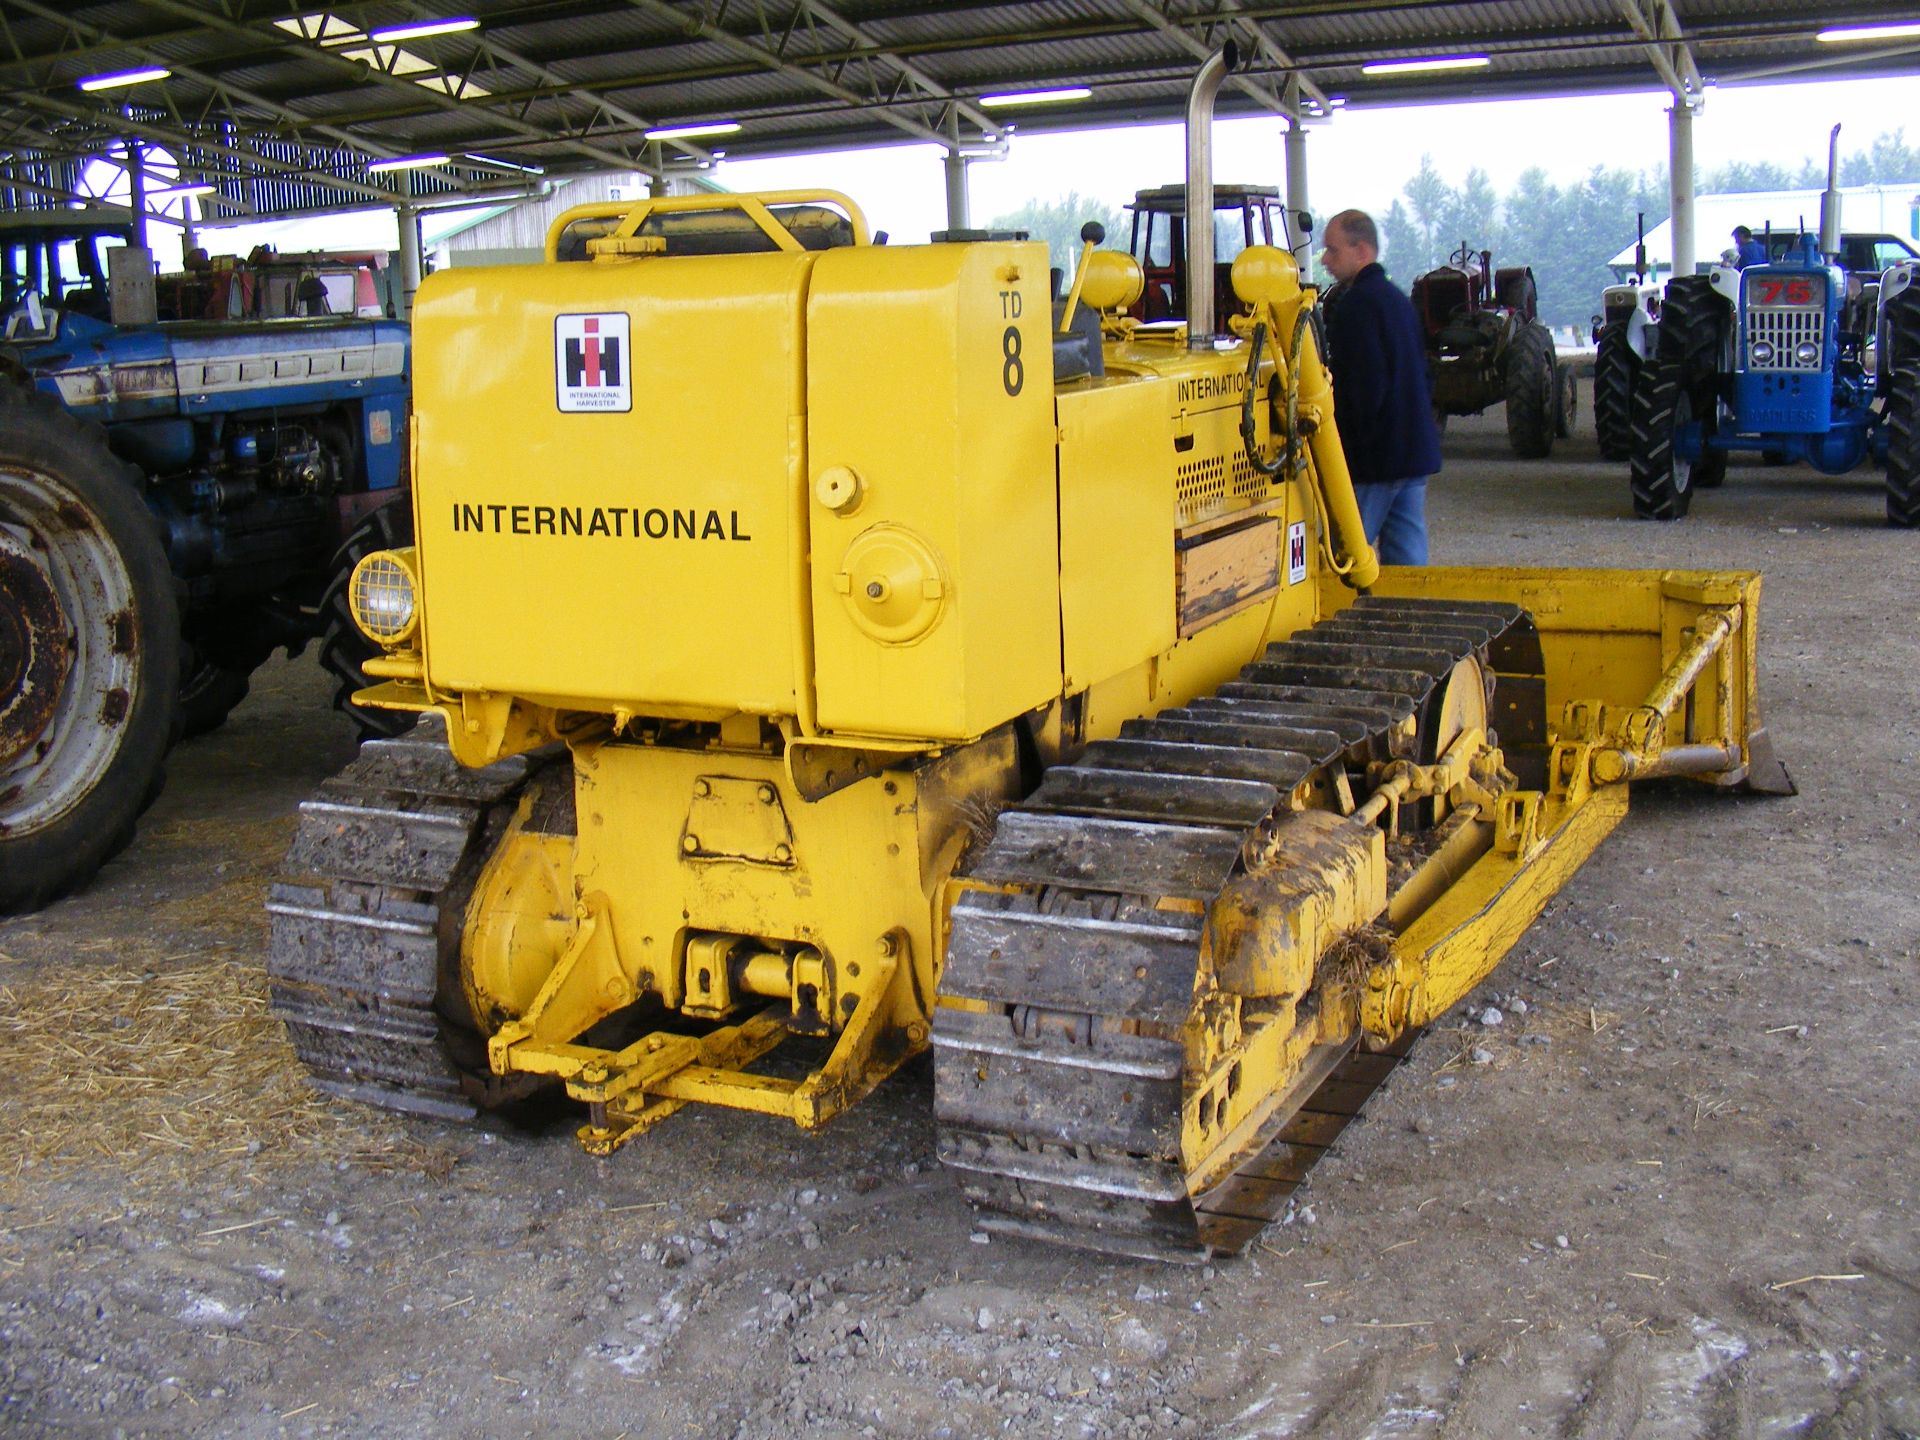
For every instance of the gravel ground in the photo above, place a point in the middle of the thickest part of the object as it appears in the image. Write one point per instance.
(1668, 1193)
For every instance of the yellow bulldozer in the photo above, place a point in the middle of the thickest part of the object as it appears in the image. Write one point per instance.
(857, 649)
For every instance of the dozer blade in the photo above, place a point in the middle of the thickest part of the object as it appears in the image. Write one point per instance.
(1609, 638)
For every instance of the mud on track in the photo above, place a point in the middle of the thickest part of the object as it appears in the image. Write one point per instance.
(1621, 1217)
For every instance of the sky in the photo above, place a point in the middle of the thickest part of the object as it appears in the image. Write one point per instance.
(1360, 158)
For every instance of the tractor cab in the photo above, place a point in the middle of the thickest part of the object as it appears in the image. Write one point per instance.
(60, 255)
(1243, 215)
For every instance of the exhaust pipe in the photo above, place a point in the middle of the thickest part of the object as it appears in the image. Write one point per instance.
(1830, 200)
(1206, 85)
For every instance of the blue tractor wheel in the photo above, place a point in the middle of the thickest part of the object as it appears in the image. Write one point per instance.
(89, 651)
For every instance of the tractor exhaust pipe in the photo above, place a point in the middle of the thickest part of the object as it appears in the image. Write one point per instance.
(1830, 200)
(1206, 85)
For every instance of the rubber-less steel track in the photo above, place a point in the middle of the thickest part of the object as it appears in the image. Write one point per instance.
(366, 912)
(1060, 1104)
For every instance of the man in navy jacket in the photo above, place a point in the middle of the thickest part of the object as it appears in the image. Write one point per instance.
(1382, 404)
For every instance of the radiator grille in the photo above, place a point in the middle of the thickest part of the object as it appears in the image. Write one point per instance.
(1785, 328)
(1206, 488)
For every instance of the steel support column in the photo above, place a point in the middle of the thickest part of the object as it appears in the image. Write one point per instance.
(1297, 194)
(1680, 184)
(137, 191)
(956, 165)
(409, 219)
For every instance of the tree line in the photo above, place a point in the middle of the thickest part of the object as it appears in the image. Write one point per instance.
(1566, 232)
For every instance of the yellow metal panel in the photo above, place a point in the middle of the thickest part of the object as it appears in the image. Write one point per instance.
(1116, 527)
(935, 587)
(617, 556)
(1457, 942)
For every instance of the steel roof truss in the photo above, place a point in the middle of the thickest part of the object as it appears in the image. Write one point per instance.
(1656, 24)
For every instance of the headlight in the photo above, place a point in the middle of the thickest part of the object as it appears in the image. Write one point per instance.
(1763, 352)
(1807, 353)
(381, 596)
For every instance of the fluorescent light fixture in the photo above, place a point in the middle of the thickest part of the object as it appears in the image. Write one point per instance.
(494, 162)
(405, 162)
(420, 29)
(1336, 101)
(125, 77)
(181, 192)
(1905, 29)
(689, 132)
(1444, 62)
(1037, 97)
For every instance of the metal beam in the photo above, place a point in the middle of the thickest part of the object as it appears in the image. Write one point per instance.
(1203, 46)
(1300, 88)
(591, 94)
(772, 60)
(1656, 24)
(308, 51)
(913, 72)
(1800, 67)
(226, 93)
(186, 140)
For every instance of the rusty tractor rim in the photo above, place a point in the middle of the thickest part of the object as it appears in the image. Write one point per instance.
(68, 642)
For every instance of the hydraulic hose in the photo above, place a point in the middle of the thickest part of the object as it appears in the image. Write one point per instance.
(1306, 379)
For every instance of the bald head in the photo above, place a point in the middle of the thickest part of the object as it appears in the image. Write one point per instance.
(1352, 244)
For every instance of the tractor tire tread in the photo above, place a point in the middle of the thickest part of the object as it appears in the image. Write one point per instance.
(1614, 368)
(1531, 400)
(1656, 397)
(1903, 447)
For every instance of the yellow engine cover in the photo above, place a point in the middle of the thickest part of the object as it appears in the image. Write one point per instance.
(608, 459)
(935, 591)
(766, 483)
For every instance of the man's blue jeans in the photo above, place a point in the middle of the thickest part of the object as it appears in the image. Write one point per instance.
(1395, 515)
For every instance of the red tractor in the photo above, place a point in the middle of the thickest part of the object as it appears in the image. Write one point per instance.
(1486, 345)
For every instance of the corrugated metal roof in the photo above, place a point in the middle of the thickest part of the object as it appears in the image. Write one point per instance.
(573, 86)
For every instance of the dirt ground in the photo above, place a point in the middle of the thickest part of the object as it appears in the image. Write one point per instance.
(1672, 1195)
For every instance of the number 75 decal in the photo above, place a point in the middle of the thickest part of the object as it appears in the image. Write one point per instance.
(1783, 290)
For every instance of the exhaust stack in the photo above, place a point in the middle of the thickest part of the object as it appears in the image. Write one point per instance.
(1830, 200)
(1206, 85)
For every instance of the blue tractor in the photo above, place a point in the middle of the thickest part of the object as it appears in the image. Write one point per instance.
(1796, 359)
(177, 501)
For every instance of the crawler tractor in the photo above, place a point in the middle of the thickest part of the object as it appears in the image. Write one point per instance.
(931, 679)
(1486, 346)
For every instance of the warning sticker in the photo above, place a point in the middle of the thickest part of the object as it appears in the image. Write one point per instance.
(590, 363)
(1296, 552)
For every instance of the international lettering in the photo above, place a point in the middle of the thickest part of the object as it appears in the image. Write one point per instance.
(594, 522)
(1212, 387)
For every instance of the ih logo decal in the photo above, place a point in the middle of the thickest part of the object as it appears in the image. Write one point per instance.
(1296, 552)
(591, 363)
